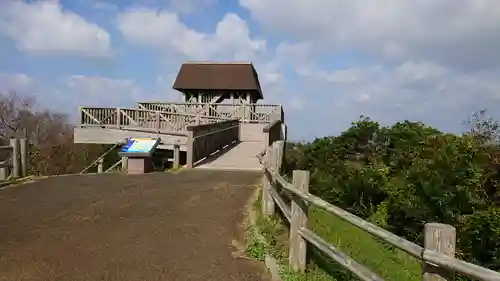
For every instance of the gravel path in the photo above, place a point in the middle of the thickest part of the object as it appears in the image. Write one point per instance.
(159, 226)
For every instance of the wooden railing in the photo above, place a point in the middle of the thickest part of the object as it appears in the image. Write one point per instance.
(437, 255)
(16, 163)
(143, 119)
(248, 113)
(205, 140)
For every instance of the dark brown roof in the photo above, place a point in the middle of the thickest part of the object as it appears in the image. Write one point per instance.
(213, 76)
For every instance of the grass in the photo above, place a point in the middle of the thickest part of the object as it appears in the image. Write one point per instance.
(269, 236)
(389, 263)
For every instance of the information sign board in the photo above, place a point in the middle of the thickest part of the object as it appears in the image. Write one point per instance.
(139, 146)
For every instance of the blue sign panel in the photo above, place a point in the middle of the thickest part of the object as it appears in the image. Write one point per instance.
(140, 145)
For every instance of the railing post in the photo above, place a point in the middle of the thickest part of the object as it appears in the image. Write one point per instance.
(23, 150)
(157, 121)
(268, 204)
(118, 117)
(190, 150)
(299, 210)
(439, 238)
(177, 154)
(16, 165)
(100, 165)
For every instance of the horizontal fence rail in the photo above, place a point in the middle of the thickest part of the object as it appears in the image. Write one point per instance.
(144, 119)
(437, 254)
(247, 113)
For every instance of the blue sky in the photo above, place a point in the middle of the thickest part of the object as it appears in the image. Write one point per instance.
(326, 61)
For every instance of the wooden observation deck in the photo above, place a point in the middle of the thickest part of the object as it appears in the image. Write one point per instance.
(213, 93)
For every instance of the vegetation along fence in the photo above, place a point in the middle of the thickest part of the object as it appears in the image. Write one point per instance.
(16, 163)
(437, 255)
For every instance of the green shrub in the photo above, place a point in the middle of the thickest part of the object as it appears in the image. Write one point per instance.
(403, 176)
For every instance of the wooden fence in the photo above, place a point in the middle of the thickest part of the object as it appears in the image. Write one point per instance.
(16, 165)
(437, 255)
(147, 120)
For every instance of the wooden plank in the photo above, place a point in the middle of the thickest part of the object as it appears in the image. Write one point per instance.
(285, 209)
(5, 147)
(342, 259)
(475, 271)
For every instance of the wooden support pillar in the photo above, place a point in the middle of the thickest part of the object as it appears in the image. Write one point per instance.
(177, 154)
(124, 164)
(100, 165)
(23, 150)
(16, 163)
(4, 173)
(190, 150)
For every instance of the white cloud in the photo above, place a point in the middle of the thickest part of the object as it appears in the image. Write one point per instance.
(415, 90)
(44, 27)
(164, 30)
(15, 82)
(462, 33)
(103, 91)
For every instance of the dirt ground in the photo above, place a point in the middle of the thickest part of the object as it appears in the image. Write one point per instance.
(160, 226)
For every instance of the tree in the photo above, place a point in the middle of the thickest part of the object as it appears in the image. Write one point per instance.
(49, 134)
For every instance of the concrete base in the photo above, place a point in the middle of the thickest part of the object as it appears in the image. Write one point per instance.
(139, 165)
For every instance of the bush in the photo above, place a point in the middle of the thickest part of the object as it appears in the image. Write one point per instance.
(405, 175)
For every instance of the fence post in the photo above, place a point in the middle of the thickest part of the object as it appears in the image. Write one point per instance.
(16, 165)
(23, 149)
(298, 245)
(177, 154)
(280, 149)
(100, 165)
(440, 238)
(268, 204)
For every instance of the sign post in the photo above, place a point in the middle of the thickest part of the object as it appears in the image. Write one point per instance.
(139, 152)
